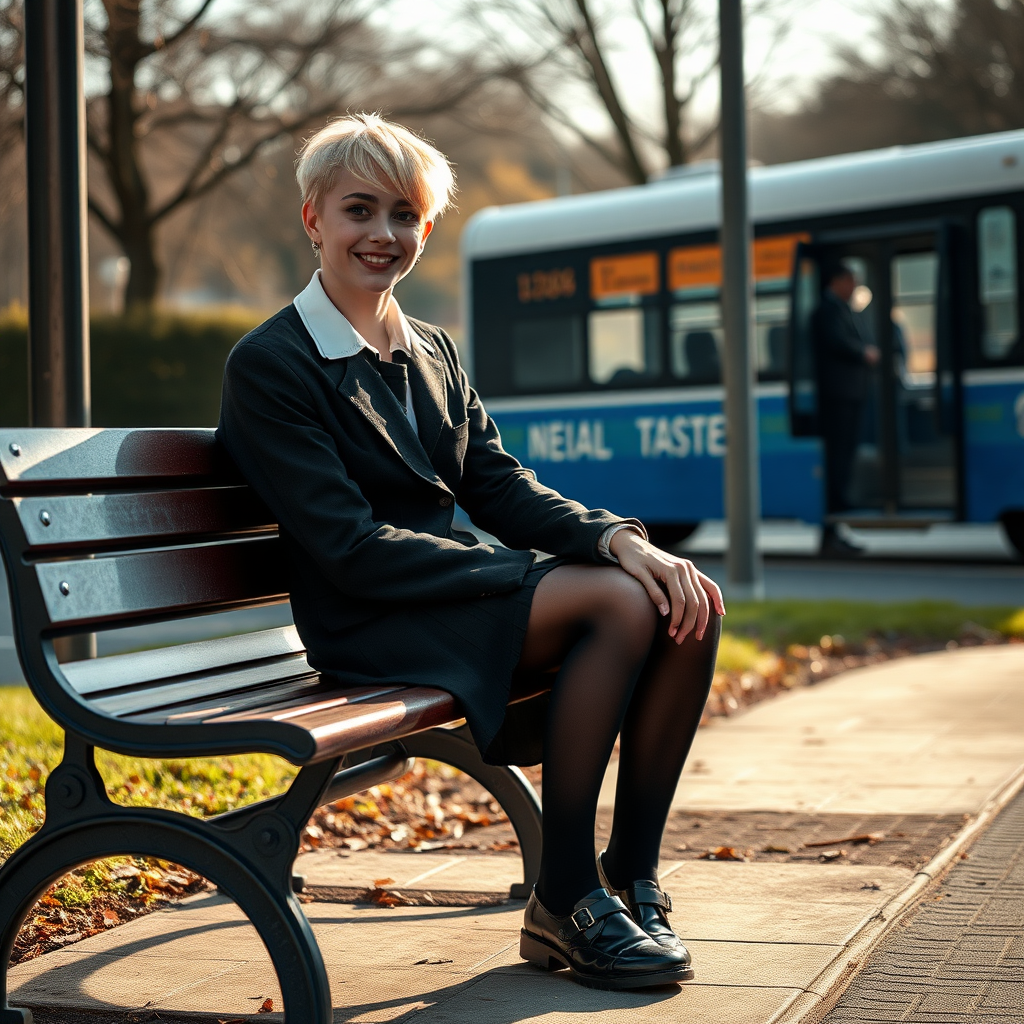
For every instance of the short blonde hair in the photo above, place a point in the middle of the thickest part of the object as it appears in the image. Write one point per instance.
(381, 153)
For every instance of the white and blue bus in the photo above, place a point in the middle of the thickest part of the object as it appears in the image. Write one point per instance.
(594, 335)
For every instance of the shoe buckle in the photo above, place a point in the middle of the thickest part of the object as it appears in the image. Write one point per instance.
(580, 915)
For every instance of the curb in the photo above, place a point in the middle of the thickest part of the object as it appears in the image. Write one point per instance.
(817, 1000)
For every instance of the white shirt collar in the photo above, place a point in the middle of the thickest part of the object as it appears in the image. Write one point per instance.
(336, 338)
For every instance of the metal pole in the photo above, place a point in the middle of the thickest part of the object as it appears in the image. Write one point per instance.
(58, 325)
(57, 240)
(742, 478)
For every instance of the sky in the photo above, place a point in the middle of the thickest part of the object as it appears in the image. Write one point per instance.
(788, 73)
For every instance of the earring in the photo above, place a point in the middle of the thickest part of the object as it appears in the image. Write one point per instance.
(316, 249)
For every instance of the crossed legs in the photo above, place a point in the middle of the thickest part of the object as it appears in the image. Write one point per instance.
(620, 672)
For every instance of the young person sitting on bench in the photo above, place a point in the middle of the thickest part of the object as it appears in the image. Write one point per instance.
(358, 428)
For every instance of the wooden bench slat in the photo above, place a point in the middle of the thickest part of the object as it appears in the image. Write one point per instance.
(339, 728)
(274, 704)
(174, 581)
(102, 520)
(342, 730)
(138, 667)
(278, 705)
(304, 689)
(206, 687)
(52, 458)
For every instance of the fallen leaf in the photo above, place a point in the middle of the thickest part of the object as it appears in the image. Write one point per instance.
(379, 883)
(385, 898)
(772, 848)
(722, 853)
(432, 962)
(110, 918)
(267, 1006)
(682, 848)
(871, 885)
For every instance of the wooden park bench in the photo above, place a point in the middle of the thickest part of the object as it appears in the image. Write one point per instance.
(103, 529)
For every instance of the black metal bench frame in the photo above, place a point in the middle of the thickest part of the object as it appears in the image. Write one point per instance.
(108, 528)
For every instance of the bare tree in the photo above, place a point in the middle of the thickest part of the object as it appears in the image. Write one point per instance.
(576, 41)
(940, 72)
(184, 94)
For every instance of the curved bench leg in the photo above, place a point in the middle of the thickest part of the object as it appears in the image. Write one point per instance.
(508, 785)
(247, 853)
(272, 909)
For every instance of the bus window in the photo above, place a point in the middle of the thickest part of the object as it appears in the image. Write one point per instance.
(696, 342)
(547, 353)
(771, 323)
(997, 281)
(623, 345)
(914, 280)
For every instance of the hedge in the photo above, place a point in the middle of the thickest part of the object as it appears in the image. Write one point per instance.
(155, 369)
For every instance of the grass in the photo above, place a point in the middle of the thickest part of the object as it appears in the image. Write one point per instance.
(777, 624)
(30, 744)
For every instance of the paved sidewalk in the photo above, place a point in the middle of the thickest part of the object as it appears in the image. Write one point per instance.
(960, 957)
(938, 734)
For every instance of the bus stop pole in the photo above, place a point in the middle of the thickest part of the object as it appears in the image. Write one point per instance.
(58, 326)
(744, 576)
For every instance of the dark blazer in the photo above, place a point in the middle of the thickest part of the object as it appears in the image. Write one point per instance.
(843, 371)
(365, 505)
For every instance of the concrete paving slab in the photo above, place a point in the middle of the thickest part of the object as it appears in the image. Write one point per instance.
(905, 715)
(528, 996)
(99, 980)
(787, 884)
(460, 872)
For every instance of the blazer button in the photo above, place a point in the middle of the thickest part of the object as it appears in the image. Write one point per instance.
(444, 502)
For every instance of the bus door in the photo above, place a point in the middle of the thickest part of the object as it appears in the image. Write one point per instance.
(906, 459)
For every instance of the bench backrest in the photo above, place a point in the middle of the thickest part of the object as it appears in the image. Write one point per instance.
(109, 528)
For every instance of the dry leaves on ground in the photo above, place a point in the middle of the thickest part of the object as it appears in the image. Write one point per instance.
(430, 808)
(98, 897)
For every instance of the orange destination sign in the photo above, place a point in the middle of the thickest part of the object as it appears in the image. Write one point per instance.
(633, 274)
(700, 266)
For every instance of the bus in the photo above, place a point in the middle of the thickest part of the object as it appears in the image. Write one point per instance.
(594, 336)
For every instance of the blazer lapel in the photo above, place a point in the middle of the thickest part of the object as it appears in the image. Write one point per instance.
(429, 394)
(362, 385)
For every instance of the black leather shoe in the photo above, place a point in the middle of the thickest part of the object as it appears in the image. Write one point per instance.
(600, 943)
(649, 906)
(834, 546)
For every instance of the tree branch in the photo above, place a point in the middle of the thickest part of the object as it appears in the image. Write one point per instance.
(590, 48)
(104, 218)
(184, 29)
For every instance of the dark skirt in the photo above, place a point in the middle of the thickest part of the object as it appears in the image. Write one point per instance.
(469, 649)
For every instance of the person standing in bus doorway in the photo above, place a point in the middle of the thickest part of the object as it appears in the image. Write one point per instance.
(844, 366)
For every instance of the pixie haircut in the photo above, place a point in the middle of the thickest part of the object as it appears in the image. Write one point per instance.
(382, 154)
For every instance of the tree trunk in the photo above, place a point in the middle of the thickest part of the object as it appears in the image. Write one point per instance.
(134, 227)
(144, 277)
(675, 147)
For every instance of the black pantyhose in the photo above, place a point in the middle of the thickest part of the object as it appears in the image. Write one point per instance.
(619, 671)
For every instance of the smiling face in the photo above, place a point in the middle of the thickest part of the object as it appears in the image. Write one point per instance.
(369, 238)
